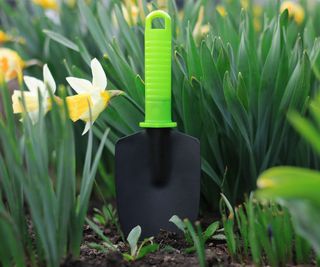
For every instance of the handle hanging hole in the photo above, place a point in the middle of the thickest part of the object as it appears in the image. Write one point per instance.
(158, 23)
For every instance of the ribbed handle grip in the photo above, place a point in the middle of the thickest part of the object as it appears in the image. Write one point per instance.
(158, 73)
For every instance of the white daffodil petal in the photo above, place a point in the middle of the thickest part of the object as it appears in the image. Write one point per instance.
(35, 85)
(48, 79)
(80, 85)
(99, 78)
(87, 127)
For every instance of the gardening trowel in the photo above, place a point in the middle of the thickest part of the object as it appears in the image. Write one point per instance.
(157, 169)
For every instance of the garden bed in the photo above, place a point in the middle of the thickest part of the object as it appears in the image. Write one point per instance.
(171, 253)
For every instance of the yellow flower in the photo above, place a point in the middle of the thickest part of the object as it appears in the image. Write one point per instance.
(221, 10)
(295, 10)
(257, 10)
(130, 14)
(245, 4)
(11, 65)
(46, 4)
(92, 97)
(28, 101)
(4, 37)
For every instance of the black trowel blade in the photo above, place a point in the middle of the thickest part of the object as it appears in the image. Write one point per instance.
(149, 193)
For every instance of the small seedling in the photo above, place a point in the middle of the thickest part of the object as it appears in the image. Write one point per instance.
(212, 231)
(136, 251)
(139, 251)
(196, 237)
(108, 216)
(105, 216)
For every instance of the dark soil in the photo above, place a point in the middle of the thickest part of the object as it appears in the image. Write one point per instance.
(171, 252)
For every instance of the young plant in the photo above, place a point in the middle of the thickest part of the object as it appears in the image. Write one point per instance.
(211, 231)
(137, 251)
(196, 237)
(107, 216)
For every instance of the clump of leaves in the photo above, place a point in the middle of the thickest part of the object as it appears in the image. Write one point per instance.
(107, 216)
(196, 237)
(211, 232)
(263, 233)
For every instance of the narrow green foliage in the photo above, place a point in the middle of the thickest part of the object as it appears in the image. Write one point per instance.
(198, 241)
(37, 168)
(263, 233)
(296, 188)
(196, 237)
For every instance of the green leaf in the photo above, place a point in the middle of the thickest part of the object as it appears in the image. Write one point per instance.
(127, 257)
(198, 241)
(308, 131)
(178, 222)
(61, 39)
(93, 26)
(133, 239)
(205, 166)
(209, 232)
(100, 233)
(306, 218)
(289, 183)
(147, 249)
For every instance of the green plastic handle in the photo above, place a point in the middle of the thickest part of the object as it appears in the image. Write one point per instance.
(158, 73)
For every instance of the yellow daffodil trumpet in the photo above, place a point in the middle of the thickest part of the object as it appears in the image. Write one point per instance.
(92, 97)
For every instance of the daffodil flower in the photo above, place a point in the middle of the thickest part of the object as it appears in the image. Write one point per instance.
(46, 4)
(28, 101)
(11, 65)
(92, 97)
(221, 10)
(295, 10)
